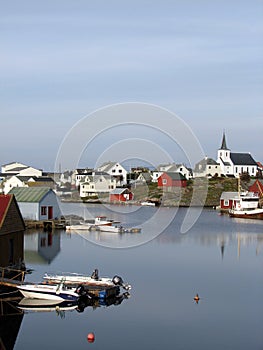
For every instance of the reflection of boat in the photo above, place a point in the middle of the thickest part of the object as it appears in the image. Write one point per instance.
(246, 205)
(44, 305)
(58, 292)
(93, 280)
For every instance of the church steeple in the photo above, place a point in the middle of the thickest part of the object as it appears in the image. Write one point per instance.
(223, 145)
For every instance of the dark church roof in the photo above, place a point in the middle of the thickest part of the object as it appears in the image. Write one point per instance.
(242, 159)
(223, 145)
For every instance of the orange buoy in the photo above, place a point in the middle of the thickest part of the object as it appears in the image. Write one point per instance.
(91, 337)
(196, 298)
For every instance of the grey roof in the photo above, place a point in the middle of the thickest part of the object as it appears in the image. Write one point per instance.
(30, 194)
(175, 176)
(119, 190)
(228, 195)
(204, 162)
(242, 159)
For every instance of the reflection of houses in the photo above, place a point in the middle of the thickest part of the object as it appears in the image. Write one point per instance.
(169, 181)
(37, 203)
(41, 248)
(121, 195)
(12, 229)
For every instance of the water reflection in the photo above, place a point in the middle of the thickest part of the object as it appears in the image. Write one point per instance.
(41, 247)
(10, 321)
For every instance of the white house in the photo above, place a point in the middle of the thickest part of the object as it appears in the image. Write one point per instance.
(37, 203)
(207, 167)
(116, 170)
(172, 168)
(234, 164)
(16, 168)
(97, 183)
(26, 181)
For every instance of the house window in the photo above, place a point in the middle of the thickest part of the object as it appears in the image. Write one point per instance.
(113, 170)
(226, 203)
(164, 181)
(43, 210)
(120, 170)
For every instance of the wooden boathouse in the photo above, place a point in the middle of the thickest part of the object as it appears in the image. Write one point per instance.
(12, 228)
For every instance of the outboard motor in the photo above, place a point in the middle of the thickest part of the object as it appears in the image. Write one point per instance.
(81, 290)
(95, 274)
(118, 281)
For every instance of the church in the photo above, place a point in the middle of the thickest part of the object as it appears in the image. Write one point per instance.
(234, 164)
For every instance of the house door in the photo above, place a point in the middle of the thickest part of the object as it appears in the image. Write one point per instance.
(50, 213)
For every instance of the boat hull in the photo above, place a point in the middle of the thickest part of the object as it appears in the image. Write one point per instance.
(47, 293)
(247, 214)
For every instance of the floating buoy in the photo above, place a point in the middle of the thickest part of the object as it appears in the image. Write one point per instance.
(196, 298)
(91, 337)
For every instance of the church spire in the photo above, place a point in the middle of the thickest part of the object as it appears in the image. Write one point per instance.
(223, 146)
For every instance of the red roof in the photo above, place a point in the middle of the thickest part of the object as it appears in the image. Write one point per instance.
(5, 200)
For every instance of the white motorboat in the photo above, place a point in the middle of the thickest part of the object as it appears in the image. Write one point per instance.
(246, 205)
(148, 203)
(89, 224)
(57, 292)
(93, 280)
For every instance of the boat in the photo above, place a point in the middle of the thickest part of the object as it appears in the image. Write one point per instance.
(93, 280)
(148, 203)
(90, 224)
(44, 305)
(246, 205)
(57, 292)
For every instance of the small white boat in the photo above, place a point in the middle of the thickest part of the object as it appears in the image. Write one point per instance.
(113, 228)
(89, 224)
(148, 203)
(78, 279)
(57, 292)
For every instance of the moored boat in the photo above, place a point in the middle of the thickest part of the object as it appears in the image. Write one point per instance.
(56, 292)
(93, 280)
(246, 205)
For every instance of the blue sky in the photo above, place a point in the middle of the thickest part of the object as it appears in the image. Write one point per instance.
(62, 60)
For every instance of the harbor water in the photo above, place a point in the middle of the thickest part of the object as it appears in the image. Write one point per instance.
(217, 257)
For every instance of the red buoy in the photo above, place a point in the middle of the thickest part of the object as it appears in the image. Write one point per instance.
(91, 337)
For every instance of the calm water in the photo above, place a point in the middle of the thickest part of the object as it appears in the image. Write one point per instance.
(219, 258)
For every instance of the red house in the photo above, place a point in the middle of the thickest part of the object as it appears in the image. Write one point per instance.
(227, 200)
(169, 180)
(121, 195)
(257, 187)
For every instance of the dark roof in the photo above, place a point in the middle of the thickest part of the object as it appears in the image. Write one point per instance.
(242, 159)
(223, 145)
(175, 176)
(42, 178)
